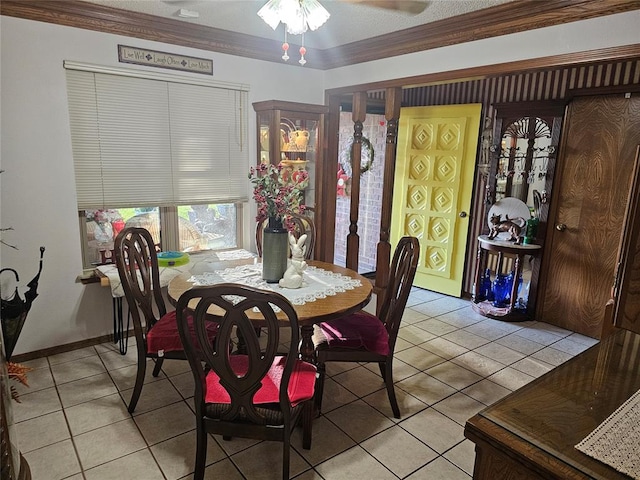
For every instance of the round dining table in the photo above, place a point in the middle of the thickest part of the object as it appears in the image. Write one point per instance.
(320, 310)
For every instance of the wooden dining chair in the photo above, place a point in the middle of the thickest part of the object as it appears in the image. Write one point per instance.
(156, 331)
(362, 337)
(302, 224)
(258, 395)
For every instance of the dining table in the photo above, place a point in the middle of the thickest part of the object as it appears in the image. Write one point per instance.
(328, 293)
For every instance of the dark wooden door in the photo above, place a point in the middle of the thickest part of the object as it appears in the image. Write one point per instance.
(596, 164)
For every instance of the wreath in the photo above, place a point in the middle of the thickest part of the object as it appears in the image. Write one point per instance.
(366, 157)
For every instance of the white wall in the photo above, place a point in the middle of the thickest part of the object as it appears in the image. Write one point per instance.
(38, 187)
(37, 190)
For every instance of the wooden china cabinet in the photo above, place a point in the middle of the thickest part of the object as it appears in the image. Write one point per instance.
(291, 134)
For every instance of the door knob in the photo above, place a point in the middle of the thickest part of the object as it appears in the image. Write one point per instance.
(462, 214)
(561, 227)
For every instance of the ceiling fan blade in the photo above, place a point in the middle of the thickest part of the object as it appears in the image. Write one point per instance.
(413, 7)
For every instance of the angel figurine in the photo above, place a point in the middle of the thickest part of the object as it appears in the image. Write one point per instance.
(293, 275)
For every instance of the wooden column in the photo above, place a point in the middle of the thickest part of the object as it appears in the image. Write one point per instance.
(393, 100)
(353, 240)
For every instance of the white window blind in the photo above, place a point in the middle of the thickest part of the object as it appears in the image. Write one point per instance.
(149, 142)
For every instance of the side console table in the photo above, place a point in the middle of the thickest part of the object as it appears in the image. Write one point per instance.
(501, 248)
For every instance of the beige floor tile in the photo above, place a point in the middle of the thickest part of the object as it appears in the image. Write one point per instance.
(355, 463)
(532, 366)
(415, 335)
(439, 469)
(461, 318)
(520, 344)
(360, 381)
(235, 445)
(510, 378)
(426, 388)
(567, 345)
(53, 462)
(35, 404)
(176, 456)
(543, 337)
(401, 370)
(154, 395)
(552, 356)
(486, 392)
(184, 383)
(41, 431)
(309, 475)
(466, 339)
(441, 306)
(500, 353)
(488, 330)
(72, 355)
(419, 358)
(454, 375)
(115, 360)
(359, 420)
(327, 440)
(166, 422)
(139, 465)
(473, 361)
(115, 347)
(399, 451)
(122, 438)
(86, 389)
(36, 363)
(408, 404)
(402, 344)
(336, 368)
(175, 367)
(463, 456)
(435, 326)
(96, 413)
(443, 348)
(459, 407)
(411, 316)
(335, 396)
(125, 378)
(38, 379)
(224, 469)
(437, 431)
(77, 369)
(263, 461)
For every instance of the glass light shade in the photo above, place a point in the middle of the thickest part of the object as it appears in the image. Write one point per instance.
(297, 15)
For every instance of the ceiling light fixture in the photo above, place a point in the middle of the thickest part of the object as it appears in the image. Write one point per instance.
(297, 16)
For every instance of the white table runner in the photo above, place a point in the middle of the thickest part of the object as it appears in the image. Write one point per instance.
(616, 441)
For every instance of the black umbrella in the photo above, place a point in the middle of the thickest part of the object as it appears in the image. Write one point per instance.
(14, 310)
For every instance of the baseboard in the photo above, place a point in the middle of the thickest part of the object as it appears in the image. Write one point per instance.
(46, 352)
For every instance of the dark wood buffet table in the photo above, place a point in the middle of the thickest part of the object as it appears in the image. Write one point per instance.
(533, 431)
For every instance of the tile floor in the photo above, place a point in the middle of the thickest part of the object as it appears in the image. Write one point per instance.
(449, 364)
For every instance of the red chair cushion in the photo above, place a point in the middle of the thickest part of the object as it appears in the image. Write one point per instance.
(359, 330)
(301, 382)
(164, 337)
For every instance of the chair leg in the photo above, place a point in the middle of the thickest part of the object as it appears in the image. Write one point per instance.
(388, 380)
(319, 387)
(201, 451)
(382, 371)
(307, 424)
(137, 389)
(286, 452)
(158, 366)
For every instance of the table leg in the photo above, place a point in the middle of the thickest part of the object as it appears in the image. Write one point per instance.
(307, 351)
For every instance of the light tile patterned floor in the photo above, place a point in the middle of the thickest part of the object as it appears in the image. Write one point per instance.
(449, 364)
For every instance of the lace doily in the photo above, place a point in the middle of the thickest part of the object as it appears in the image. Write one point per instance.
(616, 441)
(318, 283)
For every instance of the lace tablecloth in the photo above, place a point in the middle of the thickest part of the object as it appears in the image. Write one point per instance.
(318, 283)
(616, 441)
(197, 262)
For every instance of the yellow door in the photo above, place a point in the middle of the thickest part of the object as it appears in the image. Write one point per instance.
(432, 189)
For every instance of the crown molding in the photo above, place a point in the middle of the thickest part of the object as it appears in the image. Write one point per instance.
(495, 21)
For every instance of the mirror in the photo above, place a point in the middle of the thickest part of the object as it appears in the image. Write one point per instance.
(523, 163)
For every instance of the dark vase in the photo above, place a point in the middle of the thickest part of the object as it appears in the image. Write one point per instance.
(275, 250)
(501, 291)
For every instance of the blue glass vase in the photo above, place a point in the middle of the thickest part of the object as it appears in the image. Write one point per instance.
(501, 291)
(485, 292)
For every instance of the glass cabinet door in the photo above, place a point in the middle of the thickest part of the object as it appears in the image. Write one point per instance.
(289, 134)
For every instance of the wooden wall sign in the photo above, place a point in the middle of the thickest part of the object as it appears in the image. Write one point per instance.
(153, 58)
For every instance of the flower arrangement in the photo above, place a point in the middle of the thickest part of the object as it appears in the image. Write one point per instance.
(276, 196)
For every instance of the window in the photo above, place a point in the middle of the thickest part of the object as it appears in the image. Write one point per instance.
(166, 152)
